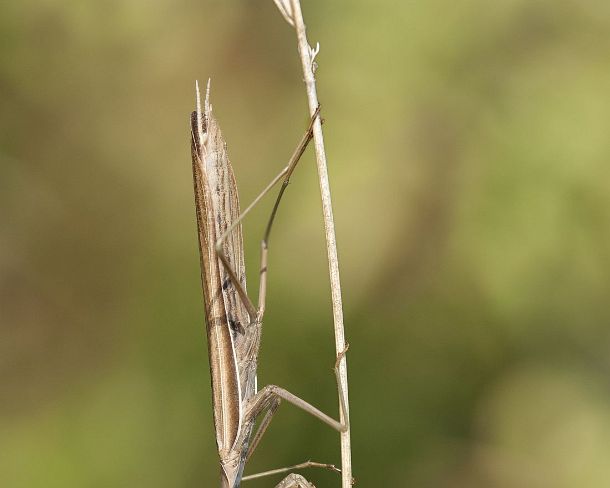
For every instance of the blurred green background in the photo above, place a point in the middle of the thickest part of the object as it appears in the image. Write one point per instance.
(468, 149)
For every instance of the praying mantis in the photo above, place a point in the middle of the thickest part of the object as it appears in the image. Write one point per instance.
(233, 322)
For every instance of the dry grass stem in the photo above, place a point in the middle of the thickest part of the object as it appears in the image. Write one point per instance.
(291, 11)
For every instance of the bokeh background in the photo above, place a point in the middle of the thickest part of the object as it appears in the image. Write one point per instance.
(468, 149)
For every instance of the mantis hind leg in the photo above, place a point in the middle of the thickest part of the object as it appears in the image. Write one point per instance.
(292, 478)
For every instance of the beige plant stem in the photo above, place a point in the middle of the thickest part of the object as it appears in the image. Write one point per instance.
(291, 10)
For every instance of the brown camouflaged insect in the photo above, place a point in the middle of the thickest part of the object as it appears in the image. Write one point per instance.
(233, 323)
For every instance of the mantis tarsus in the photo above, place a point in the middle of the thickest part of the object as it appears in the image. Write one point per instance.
(233, 322)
